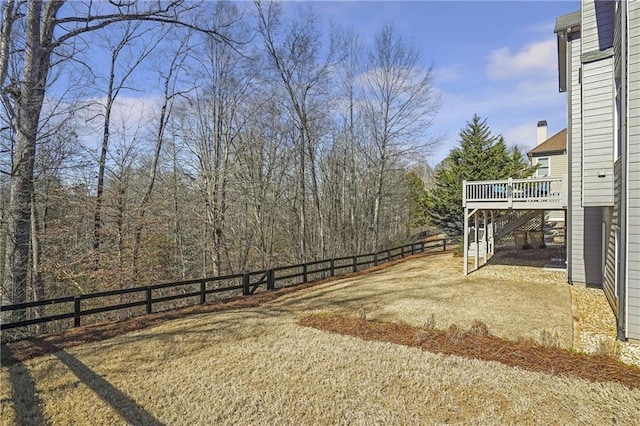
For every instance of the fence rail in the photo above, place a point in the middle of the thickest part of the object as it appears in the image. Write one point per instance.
(246, 284)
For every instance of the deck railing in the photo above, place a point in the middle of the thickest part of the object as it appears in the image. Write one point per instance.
(550, 190)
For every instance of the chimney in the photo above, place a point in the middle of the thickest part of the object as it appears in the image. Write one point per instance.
(542, 132)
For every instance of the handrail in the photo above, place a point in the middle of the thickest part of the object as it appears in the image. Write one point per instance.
(541, 189)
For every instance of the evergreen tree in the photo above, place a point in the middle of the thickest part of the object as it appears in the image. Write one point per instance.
(417, 199)
(480, 156)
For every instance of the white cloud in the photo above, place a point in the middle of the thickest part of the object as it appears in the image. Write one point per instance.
(448, 73)
(127, 113)
(537, 57)
(523, 135)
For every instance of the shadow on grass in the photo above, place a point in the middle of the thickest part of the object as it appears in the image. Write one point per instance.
(126, 407)
(27, 404)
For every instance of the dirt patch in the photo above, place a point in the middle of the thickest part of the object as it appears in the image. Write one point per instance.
(477, 343)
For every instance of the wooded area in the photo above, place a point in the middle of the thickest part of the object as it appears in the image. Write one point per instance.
(159, 141)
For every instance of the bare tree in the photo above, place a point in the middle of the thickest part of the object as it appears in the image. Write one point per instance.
(296, 61)
(400, 105)
(44, 29)
(115, 84)
(170, 91)
(213, 112)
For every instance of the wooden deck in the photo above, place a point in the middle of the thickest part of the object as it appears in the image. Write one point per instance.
(548, 193)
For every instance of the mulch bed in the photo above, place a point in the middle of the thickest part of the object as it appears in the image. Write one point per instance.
(32, 347)
(477, 343)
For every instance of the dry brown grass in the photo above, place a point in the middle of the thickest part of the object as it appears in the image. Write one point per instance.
(514, 301)
(257, 366)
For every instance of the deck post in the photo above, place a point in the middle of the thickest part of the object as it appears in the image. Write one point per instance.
(464, 193)
(486, 236)
(477, 243)
(493, 230)
(465, 237)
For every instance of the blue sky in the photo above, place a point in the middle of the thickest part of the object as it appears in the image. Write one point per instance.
(496, 59)
(493, 58)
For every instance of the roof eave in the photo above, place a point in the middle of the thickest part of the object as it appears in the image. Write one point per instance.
(550, 152)
(565, 25)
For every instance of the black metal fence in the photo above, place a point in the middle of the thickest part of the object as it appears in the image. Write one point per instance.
(161, 297)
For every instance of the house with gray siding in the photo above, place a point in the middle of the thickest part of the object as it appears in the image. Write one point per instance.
(599, 69)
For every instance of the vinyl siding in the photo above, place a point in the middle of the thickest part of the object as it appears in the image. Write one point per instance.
(597, 133)
(611, 222)
(633, 182)
(597, 25)
(585, 223)
(557, 163)
(575, 214)
(558, 168)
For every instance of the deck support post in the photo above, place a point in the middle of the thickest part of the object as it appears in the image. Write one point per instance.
(477, 243)
(486, 235)
(493, 230)
(465, 250)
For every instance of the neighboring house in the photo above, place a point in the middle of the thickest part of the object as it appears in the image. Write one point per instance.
(550, 155)
(599, 69)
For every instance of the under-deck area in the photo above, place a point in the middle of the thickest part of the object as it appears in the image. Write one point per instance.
(496, 208)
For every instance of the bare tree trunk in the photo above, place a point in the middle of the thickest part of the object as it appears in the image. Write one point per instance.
(177, 228)
(37, 54)
(303, 206)
(376, 204)
(36, 274)
(120, 209)
(316, 196)
(97, 219)
(146, 198)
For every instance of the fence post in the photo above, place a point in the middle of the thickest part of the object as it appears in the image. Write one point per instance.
(444, 244)
(76, 311)
(375, 258)
(245, 284)
(304, 272)
(422, 247)
(271, 281)
(413, 248)
(355, 263)
(388, 255)
(148, 296)
(203, 292)
(402, 252)
(332, 267)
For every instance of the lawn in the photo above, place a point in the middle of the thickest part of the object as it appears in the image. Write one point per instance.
(258, 366)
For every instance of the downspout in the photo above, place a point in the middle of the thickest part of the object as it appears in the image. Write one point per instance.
(622, 305)
(568, 224)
